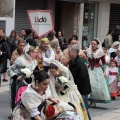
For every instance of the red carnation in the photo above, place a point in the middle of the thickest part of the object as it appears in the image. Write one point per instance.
(50, 111)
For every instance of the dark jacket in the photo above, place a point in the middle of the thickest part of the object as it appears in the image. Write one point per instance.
(13, 45)
(80, 75)
(4, 47)
(62, 43)
(116, 35)
(31, 41)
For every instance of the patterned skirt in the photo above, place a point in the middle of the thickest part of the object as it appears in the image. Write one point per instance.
(119, 82)
(100, 91)
(113, 88)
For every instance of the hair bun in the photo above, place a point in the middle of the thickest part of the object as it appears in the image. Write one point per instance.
(35, 72)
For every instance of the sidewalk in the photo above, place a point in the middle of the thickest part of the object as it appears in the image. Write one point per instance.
(5, 85)
(5, 110)
(114, 115)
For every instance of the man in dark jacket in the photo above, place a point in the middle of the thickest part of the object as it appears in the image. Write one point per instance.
(116, 33)
(80, 74)
(29, 38)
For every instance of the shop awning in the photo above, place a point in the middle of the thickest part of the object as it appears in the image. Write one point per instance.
(80, 1)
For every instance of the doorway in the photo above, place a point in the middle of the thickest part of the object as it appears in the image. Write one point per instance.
(65, 13)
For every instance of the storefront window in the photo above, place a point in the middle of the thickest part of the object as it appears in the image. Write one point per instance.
(89, 23)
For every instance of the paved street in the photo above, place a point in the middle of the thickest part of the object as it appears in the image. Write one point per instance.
(106, 111)
(4, 102)
(101, 112)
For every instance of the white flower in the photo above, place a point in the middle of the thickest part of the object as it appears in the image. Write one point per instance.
(63, 79)
(27, 72)
(66, 106)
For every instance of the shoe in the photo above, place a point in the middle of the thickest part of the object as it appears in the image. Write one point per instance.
(10, 117)
(113, 98)
(92, 104)
(4, 80)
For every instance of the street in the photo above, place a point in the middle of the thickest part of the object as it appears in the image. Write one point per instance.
(111, 111)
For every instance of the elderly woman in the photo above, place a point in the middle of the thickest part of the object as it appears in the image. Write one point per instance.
(18, 73)
(95, 54)
(113, 49)
(70, 91)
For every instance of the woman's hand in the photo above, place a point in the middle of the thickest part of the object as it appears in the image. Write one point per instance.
(20, 78)
(104, 74)
(37, 117)
(54, 100)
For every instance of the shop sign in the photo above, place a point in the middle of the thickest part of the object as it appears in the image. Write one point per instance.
(41, 21)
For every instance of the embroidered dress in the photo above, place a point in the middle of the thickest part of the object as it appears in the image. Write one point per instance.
(71, 94)
(112, 77)
(31, 100)
(118, 60)
(22, 61)
(107, 60)
(100, 92)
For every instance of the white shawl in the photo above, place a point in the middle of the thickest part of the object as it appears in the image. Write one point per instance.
(66, 72)
(99, 52)
(31, 99)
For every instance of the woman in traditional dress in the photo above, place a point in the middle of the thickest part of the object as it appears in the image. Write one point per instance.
(27, 60)
(117, 58)
(36, 93)
(95, 54)
(113, 49)
(112, 74)
(71, 93)
(38, 104)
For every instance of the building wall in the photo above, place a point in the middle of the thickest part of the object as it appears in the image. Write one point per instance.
(10, 20)
(81, 15)
(103, 17)
(103, 20)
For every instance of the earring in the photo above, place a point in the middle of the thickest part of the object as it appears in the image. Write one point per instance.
(36, 86)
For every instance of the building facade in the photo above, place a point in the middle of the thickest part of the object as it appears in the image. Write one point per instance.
(86, 18)
(7, 15)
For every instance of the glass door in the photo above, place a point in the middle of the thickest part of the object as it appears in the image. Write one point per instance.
(89, 23)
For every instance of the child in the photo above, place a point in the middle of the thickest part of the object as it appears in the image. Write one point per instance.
(117, 58)
(112, 73)
(107, 56)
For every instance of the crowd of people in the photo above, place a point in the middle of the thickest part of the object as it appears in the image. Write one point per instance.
(59, 76)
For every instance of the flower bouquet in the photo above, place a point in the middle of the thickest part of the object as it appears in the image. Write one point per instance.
(26, 71)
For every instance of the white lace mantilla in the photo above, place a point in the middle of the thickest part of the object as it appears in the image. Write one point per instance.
(98, 54)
